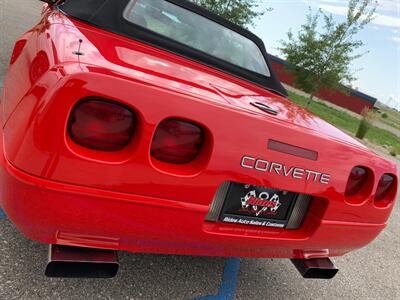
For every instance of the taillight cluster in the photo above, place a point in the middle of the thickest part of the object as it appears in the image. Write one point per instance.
(101, 125)
(358, 181)
(109, 126)
(386, 185)
(358, 177)
(177, 142)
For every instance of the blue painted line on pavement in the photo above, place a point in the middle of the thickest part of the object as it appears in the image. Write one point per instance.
(2, 214)
(227, 289)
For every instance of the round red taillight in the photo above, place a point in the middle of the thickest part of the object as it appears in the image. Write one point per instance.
(384, 186)
(101, 125)
(357, 179)
(177, 142)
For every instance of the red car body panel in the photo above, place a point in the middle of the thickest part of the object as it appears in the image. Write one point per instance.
(58, 192)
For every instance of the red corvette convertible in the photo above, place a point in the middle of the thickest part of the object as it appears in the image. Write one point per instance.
(155, 126)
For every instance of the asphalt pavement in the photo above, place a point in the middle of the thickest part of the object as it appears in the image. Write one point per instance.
(370, 273)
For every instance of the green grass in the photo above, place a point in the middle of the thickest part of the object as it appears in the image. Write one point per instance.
(384, 138)
(349, 123)
(336, 117)
(392, 117)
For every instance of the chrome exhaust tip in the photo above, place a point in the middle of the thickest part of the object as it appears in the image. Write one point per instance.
(315, 268)
(77, 262)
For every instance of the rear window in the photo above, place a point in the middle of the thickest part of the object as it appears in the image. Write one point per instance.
(197, 32)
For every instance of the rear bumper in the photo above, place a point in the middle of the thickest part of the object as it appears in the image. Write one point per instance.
(58, 213)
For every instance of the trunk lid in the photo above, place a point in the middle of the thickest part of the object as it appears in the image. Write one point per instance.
(158, 67)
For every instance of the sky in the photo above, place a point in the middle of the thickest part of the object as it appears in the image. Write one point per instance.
(377, 72)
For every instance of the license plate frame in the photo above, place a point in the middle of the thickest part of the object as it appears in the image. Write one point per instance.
(257, 205)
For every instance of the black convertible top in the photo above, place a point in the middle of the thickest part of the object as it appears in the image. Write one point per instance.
(108, 15)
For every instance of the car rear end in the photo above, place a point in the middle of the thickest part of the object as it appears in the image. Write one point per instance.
(129, 147)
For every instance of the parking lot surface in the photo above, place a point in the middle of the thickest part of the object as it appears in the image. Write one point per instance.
(370, 273)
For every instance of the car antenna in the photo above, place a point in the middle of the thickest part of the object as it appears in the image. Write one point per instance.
(79, 53)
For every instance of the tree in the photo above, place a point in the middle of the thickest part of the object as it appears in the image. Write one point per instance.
(323, 59)
(240, 12)
(365, 123)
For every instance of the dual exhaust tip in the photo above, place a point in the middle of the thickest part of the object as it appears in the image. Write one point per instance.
(77, 262)
(315, 268)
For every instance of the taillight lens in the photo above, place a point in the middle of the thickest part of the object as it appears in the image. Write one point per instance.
(384, 186)
(19, 46)
(101, 125)
(357, 179)
(177, 142)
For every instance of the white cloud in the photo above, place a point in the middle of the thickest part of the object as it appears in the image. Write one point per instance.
(383, 20)
(389, 5)
(379, 19)
(392, 6)
(336, 10)
(396, 39)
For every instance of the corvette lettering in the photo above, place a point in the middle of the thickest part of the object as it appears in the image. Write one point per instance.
(265, 166)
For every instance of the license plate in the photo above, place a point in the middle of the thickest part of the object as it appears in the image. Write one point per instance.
(255, 205)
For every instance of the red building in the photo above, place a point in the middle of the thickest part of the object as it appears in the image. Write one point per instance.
(353, 100)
